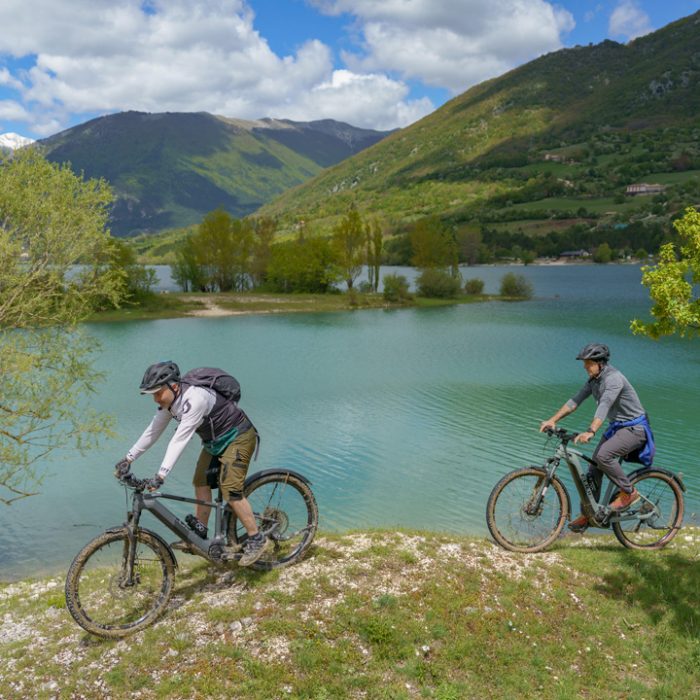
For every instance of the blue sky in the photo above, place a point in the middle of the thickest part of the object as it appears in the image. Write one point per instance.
(373, 63)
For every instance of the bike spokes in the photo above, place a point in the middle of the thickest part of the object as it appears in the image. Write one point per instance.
(109, 593)
(655, 519)
(286, 513)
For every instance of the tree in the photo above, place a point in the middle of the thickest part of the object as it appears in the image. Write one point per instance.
(304, 265)
(469, 241)
(224, 246)
(438, 284)
(602, 254)
(396, 289)
(676, 307)
(217, 257)
(516, 286)
(134, 280)
(348, 240)
(187, 271)
(55, 252)
(434, 245)
(375, 240)
(264, 229)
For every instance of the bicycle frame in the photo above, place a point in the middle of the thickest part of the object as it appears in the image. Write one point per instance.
(597, 511)
(212, 549)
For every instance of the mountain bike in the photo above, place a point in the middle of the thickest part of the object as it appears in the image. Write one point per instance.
(528, 507)
(122, 580)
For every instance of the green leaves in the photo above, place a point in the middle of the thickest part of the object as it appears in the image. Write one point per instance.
(670, 283)
(55, 252)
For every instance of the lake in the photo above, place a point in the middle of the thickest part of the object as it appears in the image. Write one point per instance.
(399, 418)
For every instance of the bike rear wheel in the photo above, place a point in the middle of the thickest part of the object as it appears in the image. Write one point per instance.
(99, 595)
(662, 501)
(515, 520)
(286, 511)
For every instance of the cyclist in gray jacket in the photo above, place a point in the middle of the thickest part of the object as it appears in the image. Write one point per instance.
(628, 435)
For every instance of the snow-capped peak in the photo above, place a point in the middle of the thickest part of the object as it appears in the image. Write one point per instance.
(13, 141)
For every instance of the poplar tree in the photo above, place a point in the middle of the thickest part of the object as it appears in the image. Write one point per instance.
(348, 243)
(375, 241)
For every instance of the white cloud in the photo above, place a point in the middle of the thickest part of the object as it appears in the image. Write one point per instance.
(12, 111)
(367, 100)
(97, 56)
(180, 55)
(629, 20)
(451, 43)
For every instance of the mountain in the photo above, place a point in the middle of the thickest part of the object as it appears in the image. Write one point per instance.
(11, 141)
(562, 136)
(168, 170)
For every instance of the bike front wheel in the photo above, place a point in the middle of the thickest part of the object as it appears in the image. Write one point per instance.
(108, 599)
(660, 512)
(524, 517)
(286, 512)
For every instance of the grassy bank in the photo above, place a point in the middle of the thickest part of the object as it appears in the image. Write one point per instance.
(180, 305)
(386, 615)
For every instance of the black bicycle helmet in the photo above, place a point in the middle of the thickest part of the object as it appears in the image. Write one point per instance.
(594, 351)
(158, 375)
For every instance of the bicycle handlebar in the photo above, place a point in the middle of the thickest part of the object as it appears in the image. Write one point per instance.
(561, 434)
(133, 482)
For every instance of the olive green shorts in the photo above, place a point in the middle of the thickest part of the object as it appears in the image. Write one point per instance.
(233, 465)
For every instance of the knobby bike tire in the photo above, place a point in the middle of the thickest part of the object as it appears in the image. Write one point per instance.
(509, 523)
(94, 596)
(286, 510)
(666, 498)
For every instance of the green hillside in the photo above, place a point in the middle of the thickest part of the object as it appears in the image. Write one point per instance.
(560, 137)
(168, 170)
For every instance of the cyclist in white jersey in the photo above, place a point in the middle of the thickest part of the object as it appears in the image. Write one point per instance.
(228, 439)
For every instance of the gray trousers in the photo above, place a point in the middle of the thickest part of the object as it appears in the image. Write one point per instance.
(607, 457)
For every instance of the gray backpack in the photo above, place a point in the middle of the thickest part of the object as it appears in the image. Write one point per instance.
(218, 380)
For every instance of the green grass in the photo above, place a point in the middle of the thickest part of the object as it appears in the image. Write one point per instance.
(387, 615)
(231, 303)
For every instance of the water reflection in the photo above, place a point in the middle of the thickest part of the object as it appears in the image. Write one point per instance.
(398, 418)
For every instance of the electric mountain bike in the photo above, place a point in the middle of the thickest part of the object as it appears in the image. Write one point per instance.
(122, 580)
(527, 508)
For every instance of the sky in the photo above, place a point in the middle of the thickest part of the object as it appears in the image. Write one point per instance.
(377, 64)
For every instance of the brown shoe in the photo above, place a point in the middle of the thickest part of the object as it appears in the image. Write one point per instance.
(579, 525)
(625, 500)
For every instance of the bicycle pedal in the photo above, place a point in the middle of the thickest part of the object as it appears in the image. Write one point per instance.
(231, 553)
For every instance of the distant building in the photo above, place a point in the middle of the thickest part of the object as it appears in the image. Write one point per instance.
(644, 188)
(575, 254)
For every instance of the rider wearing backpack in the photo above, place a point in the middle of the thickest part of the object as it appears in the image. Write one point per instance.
(205, 402)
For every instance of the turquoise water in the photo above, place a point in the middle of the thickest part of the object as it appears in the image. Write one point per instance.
(401, 417)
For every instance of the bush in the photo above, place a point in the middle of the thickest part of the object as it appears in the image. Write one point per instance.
(396, 288)
(515, 286)
(474, 286)
(365, 287)
(438, 284)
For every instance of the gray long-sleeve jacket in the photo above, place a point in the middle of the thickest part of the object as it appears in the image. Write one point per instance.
(616, 398)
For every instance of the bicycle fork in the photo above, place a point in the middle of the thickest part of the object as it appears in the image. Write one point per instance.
(128, 578)
(534, 504)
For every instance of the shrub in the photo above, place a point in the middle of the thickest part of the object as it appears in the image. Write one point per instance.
(438, 284)
(365, 287)
(515, 286)
(396, 288)
(474, 286)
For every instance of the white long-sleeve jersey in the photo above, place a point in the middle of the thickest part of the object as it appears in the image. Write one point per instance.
(189, 409)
